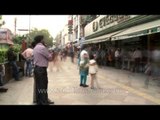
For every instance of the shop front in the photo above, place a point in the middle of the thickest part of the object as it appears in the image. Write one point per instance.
(144, 36)
(134, 31)
(120, 27)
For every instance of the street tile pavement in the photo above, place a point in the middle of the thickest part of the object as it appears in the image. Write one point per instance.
(64, 89)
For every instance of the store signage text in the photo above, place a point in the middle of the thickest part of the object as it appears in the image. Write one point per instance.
(107, 20)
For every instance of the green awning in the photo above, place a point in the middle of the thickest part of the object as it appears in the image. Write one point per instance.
(139, 30)
(101, 38)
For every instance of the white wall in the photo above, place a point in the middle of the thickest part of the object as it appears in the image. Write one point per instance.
(65, 35)
(75, 25)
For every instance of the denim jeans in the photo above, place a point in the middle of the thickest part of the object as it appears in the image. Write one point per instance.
(28, 67)
(15, 70)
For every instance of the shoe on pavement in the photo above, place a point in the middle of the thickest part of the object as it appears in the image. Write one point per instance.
(85, 85)
(81, 85)
(34, 101)
(3, 89)
(50, 102)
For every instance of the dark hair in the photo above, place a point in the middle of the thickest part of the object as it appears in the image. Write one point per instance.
(91, 56)
(33, 44)
(83, 47)
(38, 39)
(10, 45)
(138, 48)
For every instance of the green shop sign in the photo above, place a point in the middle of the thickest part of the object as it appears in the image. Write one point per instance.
(139, 33)
(108, 21)
(146, 32)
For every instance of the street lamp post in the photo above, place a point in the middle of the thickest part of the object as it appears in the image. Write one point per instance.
(29, 26)
(15, 26)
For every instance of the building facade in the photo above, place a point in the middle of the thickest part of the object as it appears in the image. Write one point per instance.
(127, 32)
(120, 27)
(64, 36)
(79, 23)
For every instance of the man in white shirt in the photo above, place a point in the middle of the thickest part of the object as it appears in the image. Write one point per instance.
(137, 55)
(117, 58)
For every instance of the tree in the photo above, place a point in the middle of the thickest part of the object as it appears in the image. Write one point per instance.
(18, 39)
(48, 38)
(1, 22)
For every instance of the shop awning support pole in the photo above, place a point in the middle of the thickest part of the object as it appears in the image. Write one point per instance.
(148, 48)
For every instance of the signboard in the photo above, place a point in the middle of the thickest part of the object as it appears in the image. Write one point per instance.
(109, 19)
(105, 21)
(3, 35)
(137, 34)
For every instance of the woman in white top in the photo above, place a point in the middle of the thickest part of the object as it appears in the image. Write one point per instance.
(93, 69)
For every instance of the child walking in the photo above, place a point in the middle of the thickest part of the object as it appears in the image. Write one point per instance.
(93, 69)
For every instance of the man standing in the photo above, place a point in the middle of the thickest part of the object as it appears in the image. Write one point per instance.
(137, 55)
(71, 51)
(12, 57)
(28, 55)
(41, 56)
(117, 58)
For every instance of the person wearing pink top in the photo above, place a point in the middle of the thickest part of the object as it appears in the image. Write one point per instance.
(28, 55)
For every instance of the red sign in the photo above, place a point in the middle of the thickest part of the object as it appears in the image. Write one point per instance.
(24, 45)
(70, 22)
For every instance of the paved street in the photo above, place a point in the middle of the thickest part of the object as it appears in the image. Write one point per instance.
(118, 87)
